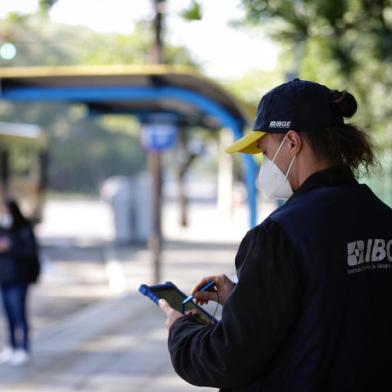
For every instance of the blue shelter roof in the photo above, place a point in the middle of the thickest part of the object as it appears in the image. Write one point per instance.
(143, 91)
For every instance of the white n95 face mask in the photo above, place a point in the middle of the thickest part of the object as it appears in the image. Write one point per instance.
(272, 181)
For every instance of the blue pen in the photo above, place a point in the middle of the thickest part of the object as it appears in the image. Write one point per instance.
(204, 288)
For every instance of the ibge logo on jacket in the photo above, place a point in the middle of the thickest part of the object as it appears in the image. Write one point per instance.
(371, 254)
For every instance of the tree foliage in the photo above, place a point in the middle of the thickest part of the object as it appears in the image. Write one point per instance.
(46, 5)
(84, 151)
(346, 43)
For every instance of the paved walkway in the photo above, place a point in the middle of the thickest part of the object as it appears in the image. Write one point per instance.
(92, 330)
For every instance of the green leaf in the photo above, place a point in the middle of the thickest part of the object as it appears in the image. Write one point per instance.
(193, 12)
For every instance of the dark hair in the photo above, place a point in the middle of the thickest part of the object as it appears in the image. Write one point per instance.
(344, 144)
(343, 102)
(18, 219)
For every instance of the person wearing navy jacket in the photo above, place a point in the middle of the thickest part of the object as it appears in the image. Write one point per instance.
(311, 311)
(19, 267)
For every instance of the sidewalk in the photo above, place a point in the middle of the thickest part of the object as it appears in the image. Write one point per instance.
(94, 331)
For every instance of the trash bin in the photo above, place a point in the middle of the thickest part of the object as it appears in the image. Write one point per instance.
(129, 198)
(117, 191)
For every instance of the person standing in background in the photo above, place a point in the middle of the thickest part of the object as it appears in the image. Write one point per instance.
(19, 267)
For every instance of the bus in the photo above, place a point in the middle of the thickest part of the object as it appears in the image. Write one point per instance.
(23, 167)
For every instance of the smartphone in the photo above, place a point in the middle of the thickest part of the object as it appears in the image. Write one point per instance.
(175, 297)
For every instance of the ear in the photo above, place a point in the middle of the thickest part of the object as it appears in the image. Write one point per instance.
(295, 142)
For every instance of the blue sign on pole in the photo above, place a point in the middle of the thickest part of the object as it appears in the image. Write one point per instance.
(158, 137)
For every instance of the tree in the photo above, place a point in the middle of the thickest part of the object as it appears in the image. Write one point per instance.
(46, 5)
(347, 43)
(94, 148)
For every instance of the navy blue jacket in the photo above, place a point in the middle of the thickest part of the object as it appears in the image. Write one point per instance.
(20, 264)
(311, 310)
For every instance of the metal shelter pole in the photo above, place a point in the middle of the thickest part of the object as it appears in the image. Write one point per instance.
(155, 161)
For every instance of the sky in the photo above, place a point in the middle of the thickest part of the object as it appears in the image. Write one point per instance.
(222, 50)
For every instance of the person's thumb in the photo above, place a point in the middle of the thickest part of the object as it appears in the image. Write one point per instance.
(164, 306)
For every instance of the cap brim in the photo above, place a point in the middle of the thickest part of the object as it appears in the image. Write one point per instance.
(247, 144)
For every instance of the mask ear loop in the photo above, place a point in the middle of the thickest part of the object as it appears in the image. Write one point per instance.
(279, 148)
(291, 164)
(277, 152)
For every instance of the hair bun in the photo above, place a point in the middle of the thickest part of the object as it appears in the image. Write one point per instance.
(345, 103)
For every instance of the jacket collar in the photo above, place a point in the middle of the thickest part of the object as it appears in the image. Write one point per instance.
(333, 176)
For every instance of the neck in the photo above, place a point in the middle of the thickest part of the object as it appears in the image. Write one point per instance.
(305, 169)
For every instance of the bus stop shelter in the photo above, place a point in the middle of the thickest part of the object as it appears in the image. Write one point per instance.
(184, 96)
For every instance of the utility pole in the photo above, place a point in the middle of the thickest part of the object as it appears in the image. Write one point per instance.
(155, 159)
(157, 50)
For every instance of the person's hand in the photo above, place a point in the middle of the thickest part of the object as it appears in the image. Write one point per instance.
(4, 245)
(171, 314)
(223, 288)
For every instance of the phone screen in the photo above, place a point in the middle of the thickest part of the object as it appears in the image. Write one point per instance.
(174, 298)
